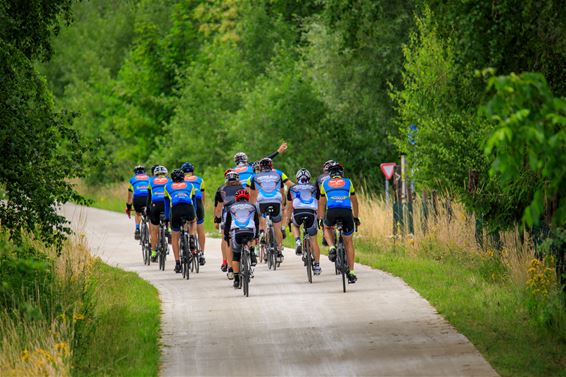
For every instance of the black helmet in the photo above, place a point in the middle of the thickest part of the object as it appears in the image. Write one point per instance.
(327, 164)
(153, 169)
(177, 175)
(265, 164)
(303, 175)
(188, 167)
(140, 169)
(240, 158)
(336, 170)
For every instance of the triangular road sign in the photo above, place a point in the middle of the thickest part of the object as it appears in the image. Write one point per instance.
(388, 168)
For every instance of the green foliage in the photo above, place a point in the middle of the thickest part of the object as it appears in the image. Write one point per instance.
(39, 148)
(530, 135)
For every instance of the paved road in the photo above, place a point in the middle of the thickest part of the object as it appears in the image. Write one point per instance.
(287, 327)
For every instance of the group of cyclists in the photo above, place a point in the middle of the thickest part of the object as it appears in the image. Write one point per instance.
(241, 203)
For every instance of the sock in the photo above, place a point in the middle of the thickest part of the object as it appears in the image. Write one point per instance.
(177, 261)
(137, 226)
(224, 261)
(297, 239)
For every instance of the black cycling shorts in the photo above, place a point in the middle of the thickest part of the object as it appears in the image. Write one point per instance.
(139, 203)
(343, 214)
(157, 208)
(179, 212)
(199, 211)
(276, 216)
(239, 237)
(310, 216)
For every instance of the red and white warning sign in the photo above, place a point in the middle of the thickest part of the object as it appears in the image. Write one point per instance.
(388, 168)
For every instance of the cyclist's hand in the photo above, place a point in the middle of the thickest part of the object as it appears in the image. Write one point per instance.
(357, 221)
(282, 148)
(129, 210)
(216, 226)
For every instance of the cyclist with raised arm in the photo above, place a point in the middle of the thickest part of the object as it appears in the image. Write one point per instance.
(137, 196)
(338, 202)
(267, 191)
(179, 196)
(246, 169)
(302, 206)
(198, 204)
(241, 226)
(224, 198)
(155, 205)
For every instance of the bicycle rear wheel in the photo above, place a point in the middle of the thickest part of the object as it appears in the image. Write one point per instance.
(163, 251)
(308, 259)
(343, 264)
(197, 254)
(245, 278)
(273, 248)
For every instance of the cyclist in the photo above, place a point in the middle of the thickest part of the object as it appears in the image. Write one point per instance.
(198, 203)
(242, 223)
(137, 195)
(302, 202)
(319, 180)
(179, 204)
(246, 169)
(155, 204)
(338, 195)
(267, 190)
(224, 198)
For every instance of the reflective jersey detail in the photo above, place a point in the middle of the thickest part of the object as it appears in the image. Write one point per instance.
(304, 196)
(245, 171)
(197, 183)
(337, 191)
(268, 185)
(139, 185)
(157, 188)
(242, 216)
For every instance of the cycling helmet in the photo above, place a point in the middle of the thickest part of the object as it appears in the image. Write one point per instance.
(265, 164)
(188, 167)
(242, 195)
(303, 175)
(336, 170)
(240, 158)
(255, 166)
(153, 169)
(177, 175)
(231, 176)
(327, 164)
(140, 169)
(159, 169)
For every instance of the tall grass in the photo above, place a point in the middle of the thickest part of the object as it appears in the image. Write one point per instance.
(42, 307)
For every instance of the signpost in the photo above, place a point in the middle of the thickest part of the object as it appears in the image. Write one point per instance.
(387, 168)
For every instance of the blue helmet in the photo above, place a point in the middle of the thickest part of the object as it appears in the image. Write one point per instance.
(188, 167)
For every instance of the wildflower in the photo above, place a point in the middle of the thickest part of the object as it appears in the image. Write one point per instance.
(78, 317)
(62, 347)
(25, 355)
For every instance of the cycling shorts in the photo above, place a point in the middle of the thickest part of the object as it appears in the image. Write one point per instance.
(157, 208)
(342, 214)
(199, 211)
(276, 215)
(239, 237)
(180, 211)
(309, 217)
(139, 203)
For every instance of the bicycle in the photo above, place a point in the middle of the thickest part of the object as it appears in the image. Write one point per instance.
(246, 270)
(162, 243)
(341, 262)
(184, 248)
(197, 253)
(308, 259)
(144, 240)
(269, 246)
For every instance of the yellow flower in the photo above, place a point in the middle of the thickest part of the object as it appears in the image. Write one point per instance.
(78, 317)
(25, 355)
(62, 347)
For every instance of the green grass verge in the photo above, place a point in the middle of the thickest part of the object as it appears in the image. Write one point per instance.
(120, 335)
(474, 294)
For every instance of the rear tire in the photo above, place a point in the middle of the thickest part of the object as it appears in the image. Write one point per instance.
(308, 255)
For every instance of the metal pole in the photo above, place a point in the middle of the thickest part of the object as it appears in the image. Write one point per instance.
(403, 188)
(386, 193)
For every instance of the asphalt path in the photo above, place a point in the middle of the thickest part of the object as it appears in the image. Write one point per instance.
(287, 327)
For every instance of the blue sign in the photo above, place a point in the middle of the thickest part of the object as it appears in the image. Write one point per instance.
(412, 134)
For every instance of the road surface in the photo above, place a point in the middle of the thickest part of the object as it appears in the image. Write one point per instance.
(287, 327)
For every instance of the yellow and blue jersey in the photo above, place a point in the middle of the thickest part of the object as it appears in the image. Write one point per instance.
(198, 184)
(139, 185)
(337, 192)
(245, 171)
(156, 188)
(178, 193)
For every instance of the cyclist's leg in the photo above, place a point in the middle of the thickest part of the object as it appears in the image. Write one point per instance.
(156, 209)
(312, 230)
(347, 232)
(200, 224)
(176, 213)
(276, 219)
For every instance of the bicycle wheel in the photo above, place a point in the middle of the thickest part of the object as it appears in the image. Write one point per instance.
(308, 259)
(273, 248)
(197, 255)
(163, 251)
(343, 264)
(245, 275)
(146, 245)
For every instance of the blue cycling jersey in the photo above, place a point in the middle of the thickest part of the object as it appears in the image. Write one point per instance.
(139, 184)
(245, 171)
(157, 188)
(178, 193)
(337, 192)
(197, 183)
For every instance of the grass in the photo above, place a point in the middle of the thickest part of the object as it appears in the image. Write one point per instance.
(123, 331)
(480, 291)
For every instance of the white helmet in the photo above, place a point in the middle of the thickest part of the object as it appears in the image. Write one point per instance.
(160, 170)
